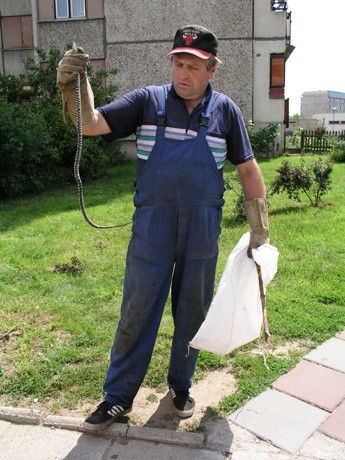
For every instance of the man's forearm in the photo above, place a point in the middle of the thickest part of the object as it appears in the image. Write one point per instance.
(251, 179)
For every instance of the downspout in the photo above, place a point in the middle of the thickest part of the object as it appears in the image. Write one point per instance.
(34, 26)
(2, 49)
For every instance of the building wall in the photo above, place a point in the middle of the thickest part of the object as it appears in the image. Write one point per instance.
(331, 122)
(336, 102)
(87, 32)
(12, 60)
(320, 102)
(66, 32)
(122, 32)
(270, 37)
(309, 124)
(135, 37)
(15, 7)
(45, 10)
(131, 41)
(313, 102)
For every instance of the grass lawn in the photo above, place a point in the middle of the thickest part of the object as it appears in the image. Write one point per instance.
(61, 285)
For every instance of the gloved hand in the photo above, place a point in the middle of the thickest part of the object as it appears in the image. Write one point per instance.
(74, 62)
(257, 216)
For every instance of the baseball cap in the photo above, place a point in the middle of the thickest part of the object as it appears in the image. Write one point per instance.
(195, 40)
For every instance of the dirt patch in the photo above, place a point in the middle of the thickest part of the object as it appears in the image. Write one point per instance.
(154, 409)
(74, 268)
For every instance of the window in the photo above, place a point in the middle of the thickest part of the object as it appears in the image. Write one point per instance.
(70, 9)
(277, 70)
(17, 32)
(277, 76)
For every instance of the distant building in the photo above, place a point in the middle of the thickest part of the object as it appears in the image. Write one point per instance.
(332, 122)
(328, 107)
(309, 124)
(135, 37)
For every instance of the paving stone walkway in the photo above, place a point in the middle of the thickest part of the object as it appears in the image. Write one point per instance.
(308, 399)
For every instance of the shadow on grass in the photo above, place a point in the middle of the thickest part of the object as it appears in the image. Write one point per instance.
(289, 210)
(117, 185)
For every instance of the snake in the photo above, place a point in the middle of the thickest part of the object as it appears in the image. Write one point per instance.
(76, 169)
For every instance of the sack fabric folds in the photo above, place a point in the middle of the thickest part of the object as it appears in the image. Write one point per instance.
(235, 316)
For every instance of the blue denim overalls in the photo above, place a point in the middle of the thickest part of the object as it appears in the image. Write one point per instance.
(176, 227)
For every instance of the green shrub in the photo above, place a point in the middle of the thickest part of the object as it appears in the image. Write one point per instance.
(37, 147)
(232, 182)
(262, 141)
(28, 157)
(313, 180)
(338, 151)
(96, 158)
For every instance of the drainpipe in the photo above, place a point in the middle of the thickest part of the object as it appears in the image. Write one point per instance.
(2, 49)
(34, 26)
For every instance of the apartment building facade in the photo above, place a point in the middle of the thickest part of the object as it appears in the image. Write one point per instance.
(135, 37)
(327, 107)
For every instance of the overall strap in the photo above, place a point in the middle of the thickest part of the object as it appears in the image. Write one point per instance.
(205, 116)
(161, 106)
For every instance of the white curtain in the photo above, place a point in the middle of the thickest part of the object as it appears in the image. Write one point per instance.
(78, 8)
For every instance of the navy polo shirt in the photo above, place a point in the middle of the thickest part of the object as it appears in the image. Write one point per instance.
(136, 113)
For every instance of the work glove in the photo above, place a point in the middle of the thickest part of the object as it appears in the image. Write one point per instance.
(74, 62)
(257, 216)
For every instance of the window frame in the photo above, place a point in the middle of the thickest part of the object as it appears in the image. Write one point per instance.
(280, 58)
(70, 10)
(277, 88)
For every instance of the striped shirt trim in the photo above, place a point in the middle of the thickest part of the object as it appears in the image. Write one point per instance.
(146, 138)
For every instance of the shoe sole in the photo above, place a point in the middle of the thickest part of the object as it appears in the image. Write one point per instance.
(101, 426)
(184, 413)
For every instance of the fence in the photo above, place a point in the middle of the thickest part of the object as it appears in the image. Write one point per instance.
(311, 141)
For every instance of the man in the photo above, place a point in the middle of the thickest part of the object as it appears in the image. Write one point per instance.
(185, 131)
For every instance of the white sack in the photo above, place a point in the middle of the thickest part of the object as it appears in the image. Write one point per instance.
(235, 314)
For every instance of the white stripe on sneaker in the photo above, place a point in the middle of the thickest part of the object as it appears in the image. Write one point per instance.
(115, 410)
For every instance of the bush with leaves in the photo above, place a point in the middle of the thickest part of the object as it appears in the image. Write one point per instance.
(313, 180)
(338, 149)
(50, 147)
(28, 157)
(262, 141)
(231, 182)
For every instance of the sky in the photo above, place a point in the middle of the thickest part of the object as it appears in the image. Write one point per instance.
(318, 62)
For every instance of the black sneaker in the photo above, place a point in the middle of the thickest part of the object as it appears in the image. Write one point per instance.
(183, 403)
(105, 414)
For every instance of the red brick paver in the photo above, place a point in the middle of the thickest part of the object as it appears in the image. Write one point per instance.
(315, 384)
(334, 426)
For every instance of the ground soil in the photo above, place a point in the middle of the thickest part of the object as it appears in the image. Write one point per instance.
(154, 409)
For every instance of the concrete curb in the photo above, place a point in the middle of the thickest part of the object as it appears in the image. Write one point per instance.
(36, 417)
(24, 416)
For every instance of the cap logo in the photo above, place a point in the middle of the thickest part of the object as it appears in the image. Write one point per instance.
(189, 35)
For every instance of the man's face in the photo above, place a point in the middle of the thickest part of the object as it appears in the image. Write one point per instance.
(190, 76)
